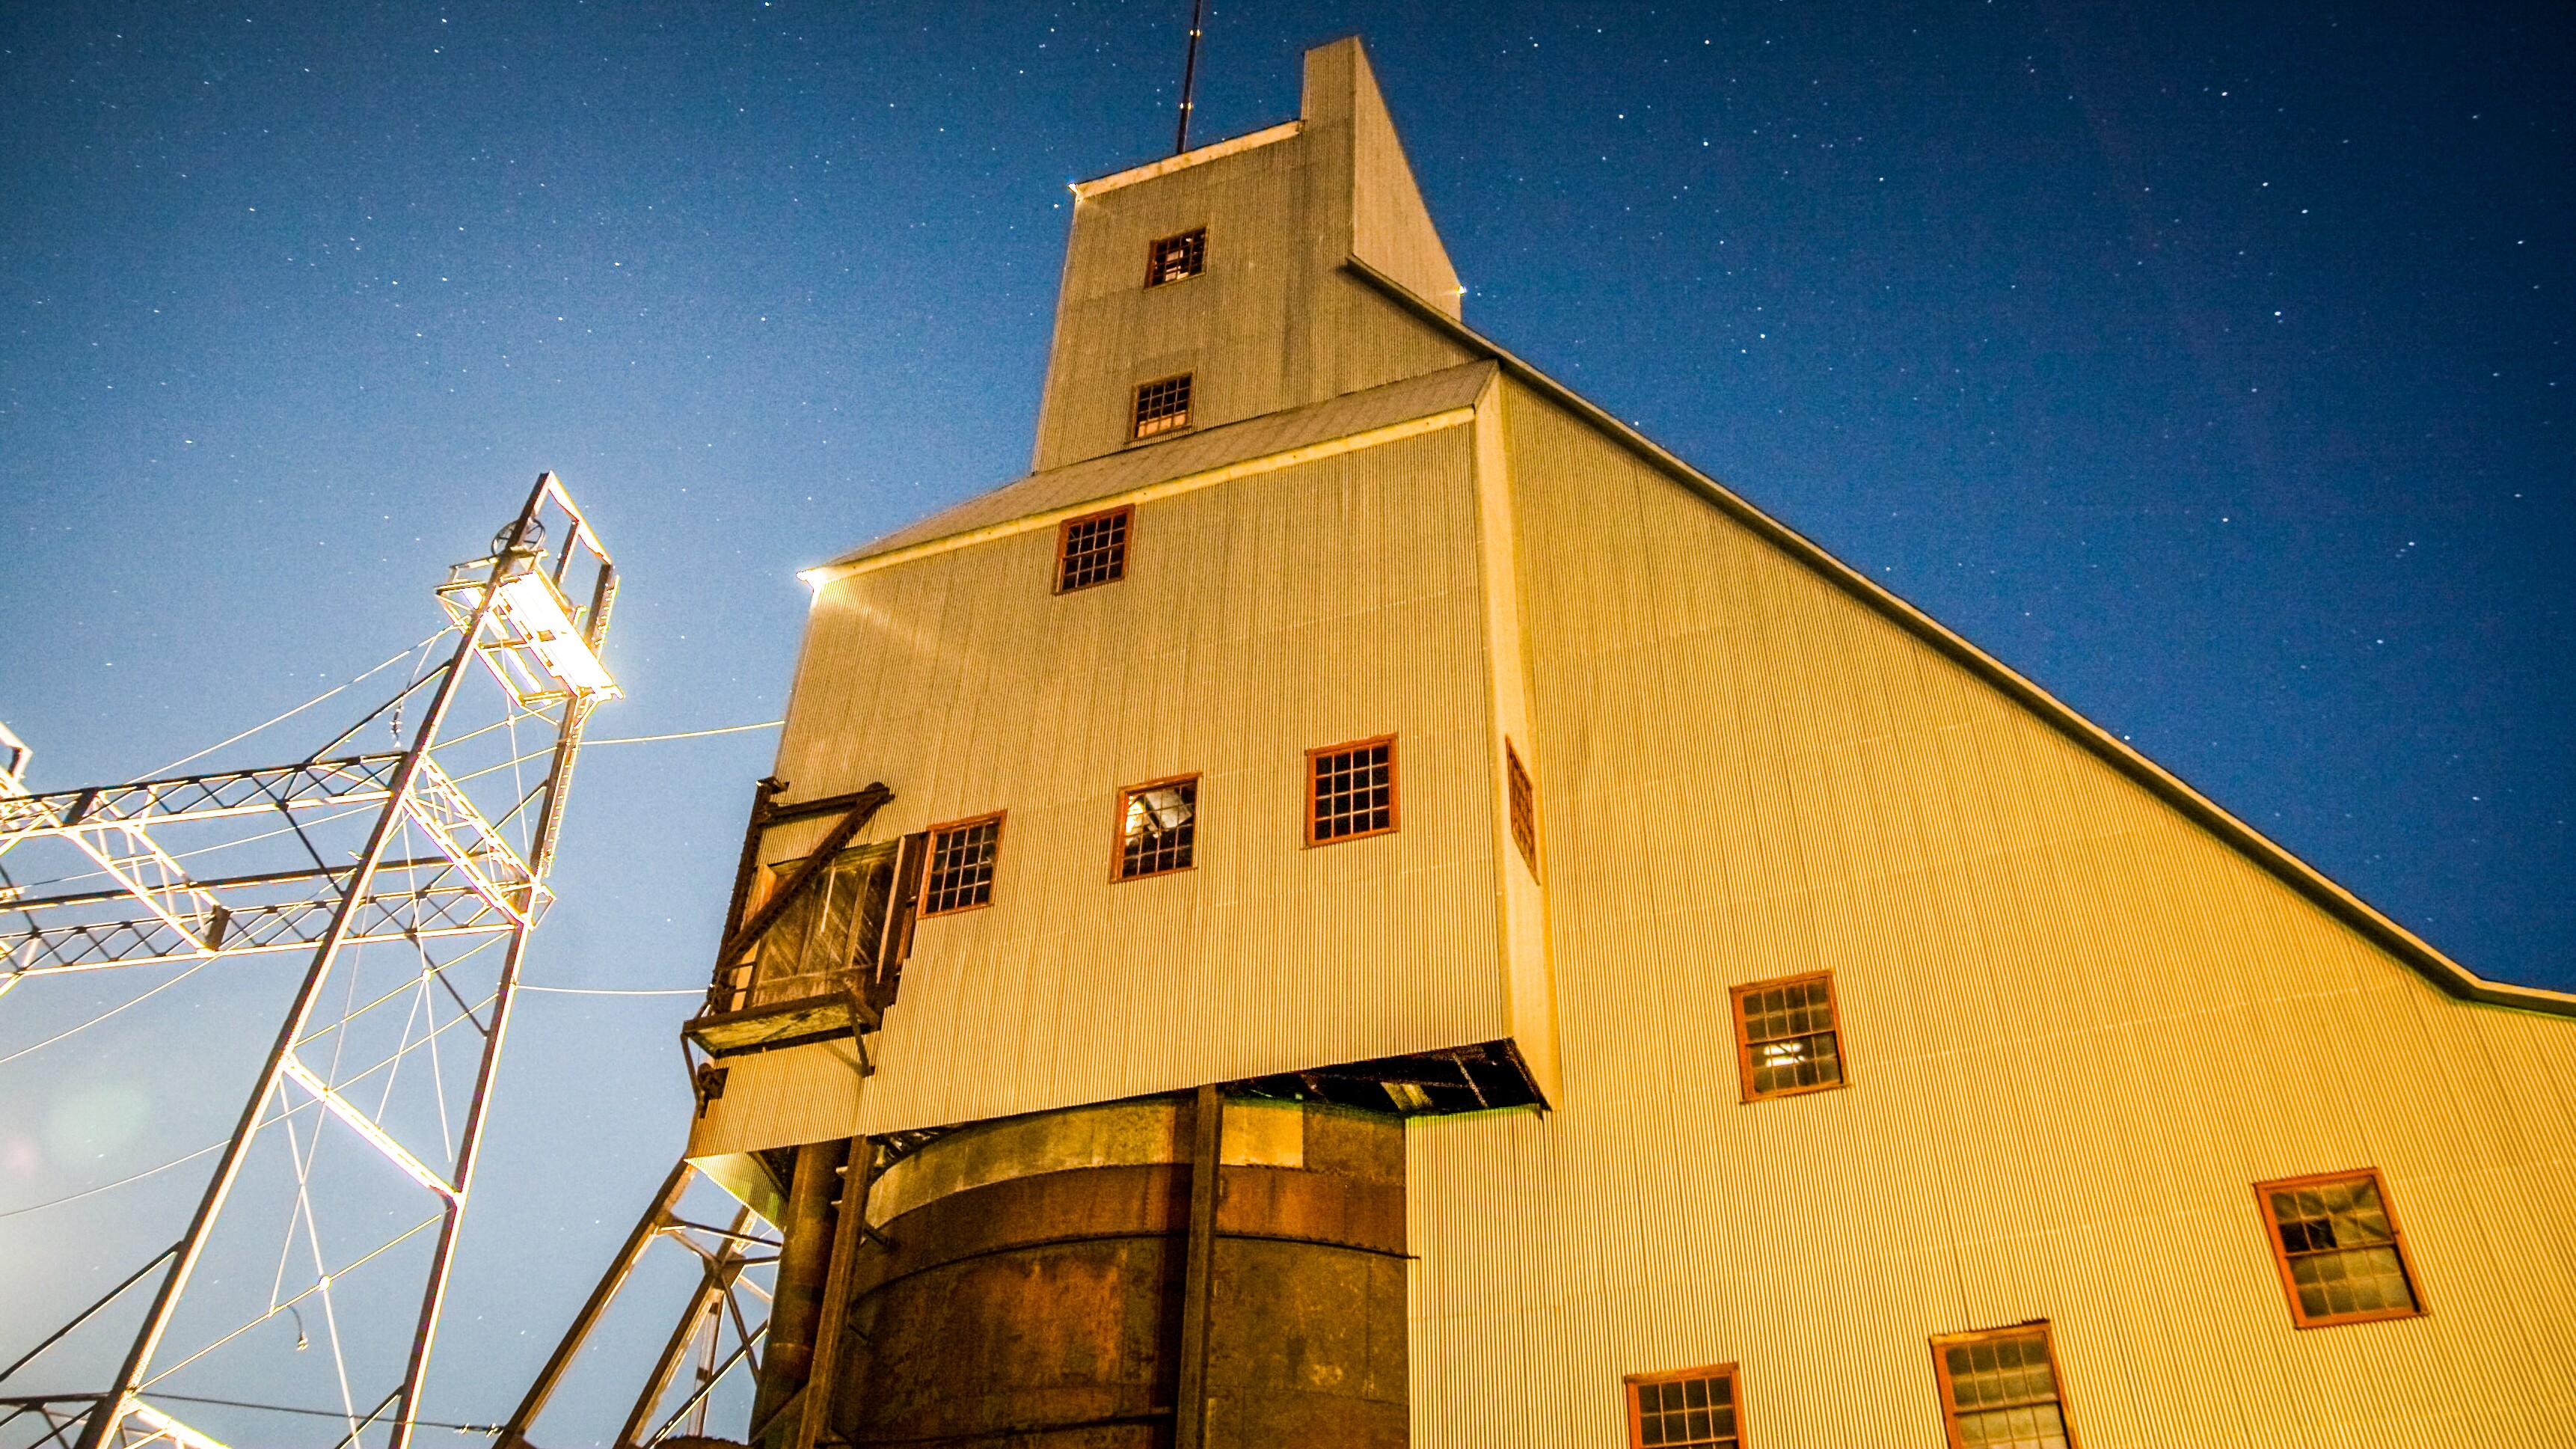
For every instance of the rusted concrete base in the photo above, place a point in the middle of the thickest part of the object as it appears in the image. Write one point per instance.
(1033, 1296)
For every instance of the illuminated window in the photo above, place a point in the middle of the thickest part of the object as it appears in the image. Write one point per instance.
(961, 865)
(1787, 1039)
(1092, 550)
(1692, 1409)
(2338, 1249)
(1999, 1389)
(1175, 257)
(1352, 792)
(1524, 808)
(1162, 406)
(1158, 827)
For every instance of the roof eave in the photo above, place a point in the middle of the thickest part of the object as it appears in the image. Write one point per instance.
(2274, 859)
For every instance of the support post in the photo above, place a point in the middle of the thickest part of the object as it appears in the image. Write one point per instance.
(1198, 1271)
(514, 1434)
(715, 1282)
(849, 1229)
(804, 1260)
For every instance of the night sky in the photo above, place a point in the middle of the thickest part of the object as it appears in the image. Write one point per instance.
(2205, 363)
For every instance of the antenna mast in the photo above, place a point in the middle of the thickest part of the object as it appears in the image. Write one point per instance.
(1189, 76)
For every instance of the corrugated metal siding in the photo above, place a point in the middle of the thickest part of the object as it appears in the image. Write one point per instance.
(1273, 322)
(1331, 601)
(1521, 906)
(1200, 451)
(806, 1093)
(2079, 1029)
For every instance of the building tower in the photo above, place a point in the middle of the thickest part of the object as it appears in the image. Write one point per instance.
(1362, 903)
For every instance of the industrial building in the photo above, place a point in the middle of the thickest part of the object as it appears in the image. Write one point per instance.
(1364, 903)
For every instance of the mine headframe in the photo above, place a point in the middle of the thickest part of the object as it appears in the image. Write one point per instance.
(411, 878)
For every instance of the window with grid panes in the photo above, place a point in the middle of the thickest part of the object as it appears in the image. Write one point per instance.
(960, 876)
(1999, 1390)
(1172, 258)
(1524, 808)
(1162, 406)
(1158, 828)
(1353, 791)
(2338, 1249)
(1787, 1038)
(1693, 1409)
(1092, 550)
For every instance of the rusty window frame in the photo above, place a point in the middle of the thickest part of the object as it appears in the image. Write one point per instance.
(968, 885)
(1176, 258)
(2283, 1255)
(1162, 406)
(1092, 550)
(1319, 761)
(1943, 1345)
(1747, 1068)
(1634, 1388)
(1523, 806)
(1122, 857)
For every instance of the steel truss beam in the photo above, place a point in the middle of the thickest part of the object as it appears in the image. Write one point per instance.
(414, 899)
(807, 1414)
(512, 622)
(713, 1306)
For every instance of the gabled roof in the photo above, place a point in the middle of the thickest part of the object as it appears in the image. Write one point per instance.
(1040, 496)
(2446, 974)
(1279, 439)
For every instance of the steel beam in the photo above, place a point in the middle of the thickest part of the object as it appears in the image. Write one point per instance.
(1198, 1272)
(849, 1231)
(514, 1434)
(476, 883)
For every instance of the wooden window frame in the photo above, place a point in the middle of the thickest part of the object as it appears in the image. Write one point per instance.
(1153, 261)
(1520, 807)
(2281, 1256)
(1394, 790)
(2056, 1375)
(1136, 429)
(1118, 832)
(930, 864)
(1126, 547)
(1628, 1386)
(1744, 1043)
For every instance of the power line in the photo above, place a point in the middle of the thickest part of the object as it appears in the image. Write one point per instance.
(120, 1182)
(292, 713)
(612, 991)
(318, 1413)
(769, 724)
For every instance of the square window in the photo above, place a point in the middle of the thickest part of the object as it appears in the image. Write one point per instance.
(1092, 550)
(1524, 808)
(1999, 1389)
(1163, 406)
(1691, 1409)
(960, 876)
(1787, 1037)
(1351, 791)
(1158, 827)
(2336, 1243)
(1172, 258)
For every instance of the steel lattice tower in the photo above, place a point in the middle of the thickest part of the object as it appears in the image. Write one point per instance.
(413, 878)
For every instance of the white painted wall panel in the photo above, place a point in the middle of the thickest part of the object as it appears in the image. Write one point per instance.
(2079, 1029)
(1260, 618)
